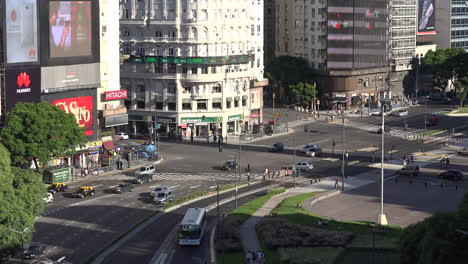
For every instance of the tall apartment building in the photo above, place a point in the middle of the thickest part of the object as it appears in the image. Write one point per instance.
(193, 66)
(345, 42)
(269, 36)
(452, 24)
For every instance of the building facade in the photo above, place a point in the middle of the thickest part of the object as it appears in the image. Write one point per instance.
(192, 67)
(452, 24)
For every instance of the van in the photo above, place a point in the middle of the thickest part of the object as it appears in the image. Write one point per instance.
(163, 196)
(147, 169)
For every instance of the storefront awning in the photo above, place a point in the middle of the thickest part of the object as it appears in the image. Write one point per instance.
(108, 145)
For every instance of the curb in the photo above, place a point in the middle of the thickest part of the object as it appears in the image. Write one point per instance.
(324, 196)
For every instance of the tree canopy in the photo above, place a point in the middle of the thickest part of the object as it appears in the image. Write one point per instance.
(305, 93)
(445, 65)
(289, 69)
(21, 200)
(40, 131)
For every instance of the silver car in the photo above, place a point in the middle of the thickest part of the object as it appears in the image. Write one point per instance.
(400, 113)
(163, 197)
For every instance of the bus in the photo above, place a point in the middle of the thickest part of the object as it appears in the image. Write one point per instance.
(192, 227)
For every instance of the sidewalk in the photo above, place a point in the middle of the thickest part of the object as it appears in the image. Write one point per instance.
(459, 145)
(249, 235)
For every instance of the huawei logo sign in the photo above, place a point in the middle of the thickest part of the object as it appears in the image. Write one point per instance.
(23, 80)
(13, 15)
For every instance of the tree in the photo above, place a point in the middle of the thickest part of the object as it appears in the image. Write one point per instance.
(462, 87)
(304, 93)
(21, 194)
(443, 64)
(40, 132)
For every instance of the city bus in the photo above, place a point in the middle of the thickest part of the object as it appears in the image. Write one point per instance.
(192, 227)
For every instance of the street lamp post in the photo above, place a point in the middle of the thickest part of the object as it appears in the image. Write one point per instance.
(382, 220)
(294, 160)
(343, 153)
(425, 114)
(22, 233)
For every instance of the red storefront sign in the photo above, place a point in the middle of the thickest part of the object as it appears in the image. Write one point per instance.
(116, 95)
(81, 108)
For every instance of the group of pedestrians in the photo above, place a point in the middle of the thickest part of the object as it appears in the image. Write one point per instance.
(253, 257)
(407, 159)
(444, 161)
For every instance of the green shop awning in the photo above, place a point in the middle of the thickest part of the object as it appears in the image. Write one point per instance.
(200, 119)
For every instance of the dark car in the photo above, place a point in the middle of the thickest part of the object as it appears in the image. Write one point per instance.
(433, 121)
(143, 178)
(451, 175)
(387, 130)
(232, 164)
(34, 251)
(83, 191)
(463, 152)
(277, 147)
(123, 187)
(409, 171)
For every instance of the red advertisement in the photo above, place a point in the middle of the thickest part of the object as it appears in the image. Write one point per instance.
(81, 108)
(116, 95)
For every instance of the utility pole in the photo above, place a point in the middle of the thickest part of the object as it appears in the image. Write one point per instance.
(343, 153)
(240, 177)
(425, 113)
(382, 220)
(294, 160)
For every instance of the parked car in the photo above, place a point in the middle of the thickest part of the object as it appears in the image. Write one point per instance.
(83, 191)
(143, 178)
(409, 171)
(314, 152)
(387, 130)
(446, 100)
(463, 152)
(451, 175)
(34, 251)
(309, 147)
(277, 147)
(121, 136)
(48, 198)
(400, 113)
(434, 121)
(229, 165)
(123, 187)
(163, 196)
(57, 187)
(147, 169)
(157, 190)
(303, 166)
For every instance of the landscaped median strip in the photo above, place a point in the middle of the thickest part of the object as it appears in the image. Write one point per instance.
(169, 207)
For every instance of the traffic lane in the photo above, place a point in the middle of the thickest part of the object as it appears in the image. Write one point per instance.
(108, 216)
(404, 203)
(141, 247)
(188, 254)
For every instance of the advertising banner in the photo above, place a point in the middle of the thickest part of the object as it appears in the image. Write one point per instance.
(116, 95)
(426, 17)
(70, 29)
(77, 76)
(21, 31)
(81, 108)
(22, 84)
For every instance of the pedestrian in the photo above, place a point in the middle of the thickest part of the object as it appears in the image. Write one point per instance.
(442, 162)
(226, 139)
(254, 257)
(260, 257)
(337, 185)
(404, 162)
(447, 162)
(214, 138)
(248, 258)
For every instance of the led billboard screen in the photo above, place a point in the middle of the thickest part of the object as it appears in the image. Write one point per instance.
(357, 34)
(21, 31)
(426, 17)
(22, 84)
(70, 29)
(81, 108)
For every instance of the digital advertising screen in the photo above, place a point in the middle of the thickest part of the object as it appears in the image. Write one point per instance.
(70, 29)
(22, 84)
(81, 108)
(21, 31)
(426, 17)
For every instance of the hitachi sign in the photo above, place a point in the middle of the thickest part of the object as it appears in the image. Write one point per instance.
(116, 95)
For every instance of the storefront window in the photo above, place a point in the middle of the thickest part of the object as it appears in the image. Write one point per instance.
(171, 106)
(186, 106)
(216, 106)
(201, 105)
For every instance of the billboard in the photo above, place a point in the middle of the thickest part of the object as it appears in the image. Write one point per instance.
(21, 31)
(70, 29)
(357, 34)
(68, 77)
(116, 95)
(22, 84)
(426, 17)
(81, 108)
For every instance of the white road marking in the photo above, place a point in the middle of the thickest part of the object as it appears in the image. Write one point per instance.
(196, 186)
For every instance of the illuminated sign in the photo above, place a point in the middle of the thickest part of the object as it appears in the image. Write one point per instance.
(22, 84)
(81, 108)
(237, 59)
(116, 95)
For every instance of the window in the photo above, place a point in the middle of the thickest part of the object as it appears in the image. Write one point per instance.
(171, 106)
(244, 101)
(204, 70)
(187, 89)
(171, 88)
(184, 69)
(186, 105)
(126, 48)
(158, 34)
(159, 105)
(216, 105)
(140, 88)
(228, 103)
(201, 105)
(104, 30)
(141, 104)
(216, 88)
(140, 49)
(126, 14)
(172, 68)
(171, 51)
(236, 103)
(194, 70)
(158, 68)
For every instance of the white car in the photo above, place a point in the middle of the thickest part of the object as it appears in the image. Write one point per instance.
(48, 198)
(121, 136)
(148, 169)
(306, 166)
(309, 147)
(402, 112)
(157, 190)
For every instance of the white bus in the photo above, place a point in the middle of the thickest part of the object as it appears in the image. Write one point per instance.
(192, 227)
